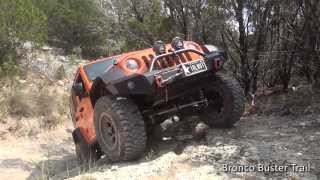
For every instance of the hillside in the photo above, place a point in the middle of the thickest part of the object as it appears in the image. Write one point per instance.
(34, 117)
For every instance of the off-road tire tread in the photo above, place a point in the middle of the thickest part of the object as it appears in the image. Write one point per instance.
(133, 134)
(238, 100)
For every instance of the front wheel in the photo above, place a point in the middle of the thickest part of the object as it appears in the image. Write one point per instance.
(225, 103)
(120, 129)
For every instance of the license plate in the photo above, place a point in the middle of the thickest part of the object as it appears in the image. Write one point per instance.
(194, 67)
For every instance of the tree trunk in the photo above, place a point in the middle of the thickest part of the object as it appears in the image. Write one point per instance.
(243, 47)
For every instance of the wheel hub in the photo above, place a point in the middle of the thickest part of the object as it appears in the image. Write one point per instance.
(215, 101)
(108, 131)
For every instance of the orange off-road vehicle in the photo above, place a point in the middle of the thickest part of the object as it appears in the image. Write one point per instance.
(116, 101)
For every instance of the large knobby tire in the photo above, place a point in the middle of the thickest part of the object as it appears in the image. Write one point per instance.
(86, 155)
(226, 103)
(120, 129)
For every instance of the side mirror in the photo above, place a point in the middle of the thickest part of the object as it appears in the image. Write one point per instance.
(78, 89)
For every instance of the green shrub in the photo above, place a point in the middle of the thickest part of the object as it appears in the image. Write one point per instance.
(20, 21)
(7, 91)
(4, 110)
(74, 23)
(9, 67)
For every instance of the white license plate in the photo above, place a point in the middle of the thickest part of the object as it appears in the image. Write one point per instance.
(194, 67)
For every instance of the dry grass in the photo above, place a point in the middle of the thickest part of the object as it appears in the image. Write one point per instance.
(60, 73)
(87, 178)
(52, 106)
(46, 103)
(6, 92)
(3, 110)
(296, 102)
(20, 104)
(41, 103)
(51, 121)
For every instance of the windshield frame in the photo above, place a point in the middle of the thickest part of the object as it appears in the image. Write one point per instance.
(96, 68)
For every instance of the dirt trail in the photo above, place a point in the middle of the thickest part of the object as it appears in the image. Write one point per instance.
(256, 139)
(32, 157)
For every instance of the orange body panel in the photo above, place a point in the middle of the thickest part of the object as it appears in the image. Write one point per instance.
(87, 82)
(84, 119)
(84, 110)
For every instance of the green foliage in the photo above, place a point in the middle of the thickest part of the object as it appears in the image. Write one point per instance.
(74, 23)
(69, 23)
(20, 21)
(6, 92)
(8, 66)
(153, 26)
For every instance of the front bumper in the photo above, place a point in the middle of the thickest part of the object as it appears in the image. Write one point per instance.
(159, 83)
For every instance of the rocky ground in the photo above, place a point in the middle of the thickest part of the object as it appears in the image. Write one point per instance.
(255, 141)
(37, 157)
(270, 142)
(278, 140)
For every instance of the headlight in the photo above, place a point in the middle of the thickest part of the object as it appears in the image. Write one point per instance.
(132, 64)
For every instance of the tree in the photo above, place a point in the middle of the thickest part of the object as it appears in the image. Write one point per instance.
(20, 21)
(75, 23)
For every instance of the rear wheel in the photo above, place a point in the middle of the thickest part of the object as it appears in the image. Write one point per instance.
(120, 129)
(86, 155)
(225, 103)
